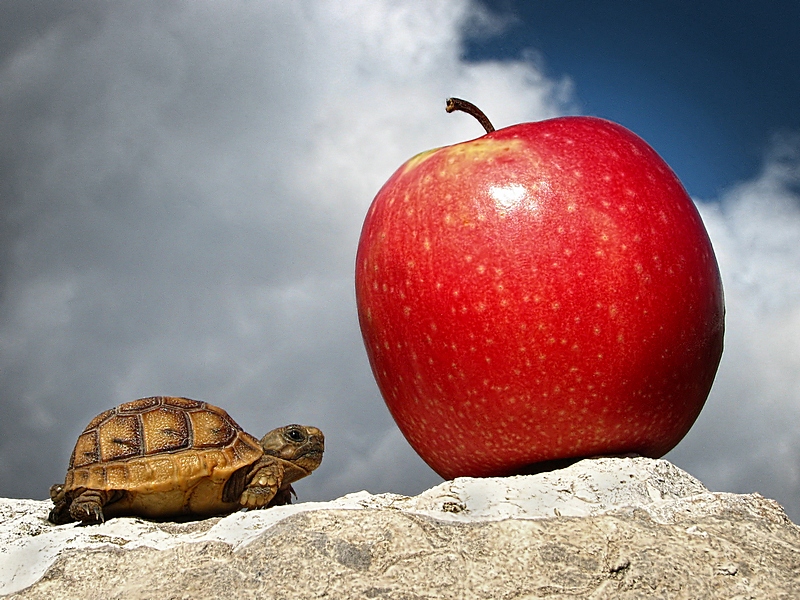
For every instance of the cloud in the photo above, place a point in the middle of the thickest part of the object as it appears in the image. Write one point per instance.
(747, 438)
(183, 187)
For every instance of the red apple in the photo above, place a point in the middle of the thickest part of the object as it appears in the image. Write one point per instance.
(544, 292)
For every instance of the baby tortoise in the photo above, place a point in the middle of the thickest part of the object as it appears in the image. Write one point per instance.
(165, 457)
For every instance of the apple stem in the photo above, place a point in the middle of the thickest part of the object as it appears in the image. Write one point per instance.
(454, 104)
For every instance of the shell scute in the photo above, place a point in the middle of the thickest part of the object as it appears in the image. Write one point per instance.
(86, 450)
(186, 403)
(120, 438)
(137, 406)
(100, 418)
(163, 468)
(116, 474)
(166, 430)
(212, 429)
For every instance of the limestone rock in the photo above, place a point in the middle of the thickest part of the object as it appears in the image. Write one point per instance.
(601, 528)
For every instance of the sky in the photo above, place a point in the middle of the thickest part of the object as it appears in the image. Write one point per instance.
(182, 187)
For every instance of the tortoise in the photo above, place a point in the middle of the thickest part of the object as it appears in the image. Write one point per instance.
(165, 457)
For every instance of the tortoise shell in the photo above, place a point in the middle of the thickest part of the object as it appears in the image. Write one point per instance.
(161, 445)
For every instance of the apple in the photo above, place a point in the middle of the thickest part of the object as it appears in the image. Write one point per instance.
(544, 292)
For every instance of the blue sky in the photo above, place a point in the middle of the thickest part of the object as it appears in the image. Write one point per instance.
(182, 188)
(705, 83)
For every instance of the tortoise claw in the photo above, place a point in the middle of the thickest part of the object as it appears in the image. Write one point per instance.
(87, 512)
(98, 514)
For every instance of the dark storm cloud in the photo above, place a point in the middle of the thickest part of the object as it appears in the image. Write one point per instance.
(183, 189)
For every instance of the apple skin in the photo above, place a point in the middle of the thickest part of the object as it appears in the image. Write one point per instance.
(544, 292)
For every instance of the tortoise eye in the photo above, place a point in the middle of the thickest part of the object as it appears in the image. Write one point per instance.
(295, 435)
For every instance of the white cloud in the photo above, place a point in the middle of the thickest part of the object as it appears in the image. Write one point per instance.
(748, 436)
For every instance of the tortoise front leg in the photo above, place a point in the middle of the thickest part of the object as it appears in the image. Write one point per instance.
(264, 484)
(60, 512)
(284, 496)
(87, 506)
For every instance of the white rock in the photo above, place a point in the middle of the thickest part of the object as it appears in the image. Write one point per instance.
(598, 497)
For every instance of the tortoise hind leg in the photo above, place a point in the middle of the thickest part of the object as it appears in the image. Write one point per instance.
(87, 507)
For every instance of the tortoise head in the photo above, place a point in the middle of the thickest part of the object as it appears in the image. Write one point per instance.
(297, 444)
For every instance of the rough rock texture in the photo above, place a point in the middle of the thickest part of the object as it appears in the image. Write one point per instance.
(602, 528)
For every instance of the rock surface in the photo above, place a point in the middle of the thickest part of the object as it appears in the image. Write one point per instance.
(601, 528)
